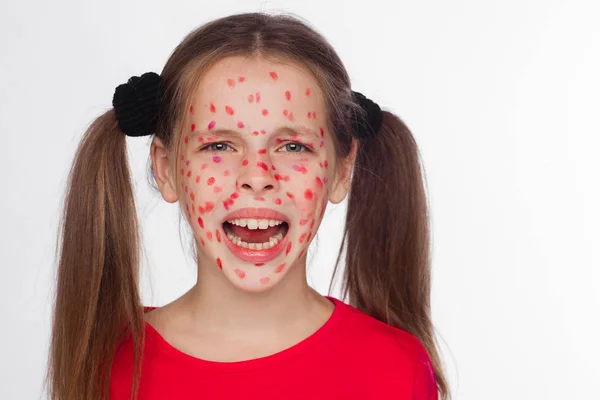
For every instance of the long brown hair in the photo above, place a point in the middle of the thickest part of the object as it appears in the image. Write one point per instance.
(386, 237)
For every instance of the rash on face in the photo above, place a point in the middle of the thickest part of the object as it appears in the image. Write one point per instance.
(247, 120)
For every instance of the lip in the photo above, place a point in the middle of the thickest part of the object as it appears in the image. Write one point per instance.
(258, 213)
(257, 256)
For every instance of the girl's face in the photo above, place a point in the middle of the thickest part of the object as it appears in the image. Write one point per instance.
(257, 168)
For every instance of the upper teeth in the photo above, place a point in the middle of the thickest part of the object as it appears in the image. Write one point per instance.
(252, 223)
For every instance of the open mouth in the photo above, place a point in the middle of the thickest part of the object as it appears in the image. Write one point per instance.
(256, 235)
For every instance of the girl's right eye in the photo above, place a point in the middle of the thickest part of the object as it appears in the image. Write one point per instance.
(209, 147)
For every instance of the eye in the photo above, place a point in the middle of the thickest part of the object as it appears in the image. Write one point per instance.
(212, 146)
(295, 146)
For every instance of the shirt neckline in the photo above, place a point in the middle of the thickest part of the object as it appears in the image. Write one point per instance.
(303, 347)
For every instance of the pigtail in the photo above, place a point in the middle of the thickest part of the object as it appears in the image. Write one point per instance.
(387, 234)
(97, 297)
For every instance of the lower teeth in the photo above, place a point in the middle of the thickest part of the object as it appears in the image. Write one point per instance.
(256, 246)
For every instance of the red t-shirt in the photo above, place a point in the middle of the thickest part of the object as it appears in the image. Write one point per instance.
(352, 356)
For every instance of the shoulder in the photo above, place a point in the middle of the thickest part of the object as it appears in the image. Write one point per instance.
(398, 356)
(383, 336)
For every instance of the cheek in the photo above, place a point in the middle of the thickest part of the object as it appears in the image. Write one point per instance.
(203, 181)
(304, 180)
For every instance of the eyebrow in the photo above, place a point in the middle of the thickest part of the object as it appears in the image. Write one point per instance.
(300, 130)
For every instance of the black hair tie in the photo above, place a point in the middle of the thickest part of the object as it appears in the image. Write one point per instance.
(137, 104)
(366, 128)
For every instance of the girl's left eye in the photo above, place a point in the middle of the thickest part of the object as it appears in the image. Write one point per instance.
(297, 145)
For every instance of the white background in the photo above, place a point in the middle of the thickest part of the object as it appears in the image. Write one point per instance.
(503, 98)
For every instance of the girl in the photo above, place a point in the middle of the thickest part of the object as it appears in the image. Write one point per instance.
(256, 129)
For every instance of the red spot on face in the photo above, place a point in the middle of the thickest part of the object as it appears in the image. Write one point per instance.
(277, 201)
(263, 131)
(189, 174)
(201, 222)
(193, 127)
(241, 79)
(288, 95)
(245, 162)
(217, 159)
(201, 210)
(309, 115)
(262, 151)
(262, 165)
(213, 109)
(299, 168)
(192, 109)
(210, 181)
(302, 237)
(204, 166)
(308, 194)
(211, 125)
(319, 182)
(322, 132)
(321, 144)
(273, 75)
(229, 110)
(278, 177)
(187, 163)
(288, 194)
(265, 112)
(307, 91)
(257, 97)
(202, 242)
(226, 172)
(291, 116)
(192, 196)
(258, 198)
(251, 99)
(197, 179)
(218, 236)
(259, 264)
(186, 140)
(326, 164)
(209, 235)
(230, 82)
(209, 206)
(255, 133)
(285, 112)
(314, 115)
(219, 263)
(240, 124)
(265, 280)
(303, 221)
(288, 248)
(280, 268)
(234, 195)
(182, 171)
(240, 273)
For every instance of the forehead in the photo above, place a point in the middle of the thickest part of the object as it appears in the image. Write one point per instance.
(241, 81)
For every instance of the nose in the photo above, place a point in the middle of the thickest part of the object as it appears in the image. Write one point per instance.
(257, 179)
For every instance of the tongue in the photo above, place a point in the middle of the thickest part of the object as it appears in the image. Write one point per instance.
(254, 235)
